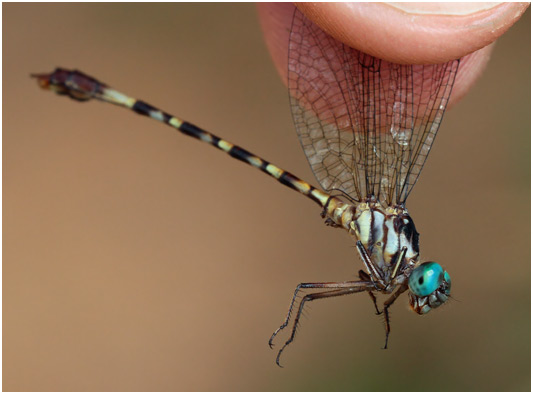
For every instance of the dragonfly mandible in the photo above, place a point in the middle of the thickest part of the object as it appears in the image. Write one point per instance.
(366, 127)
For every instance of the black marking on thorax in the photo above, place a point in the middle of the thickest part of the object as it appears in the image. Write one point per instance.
(405, 225)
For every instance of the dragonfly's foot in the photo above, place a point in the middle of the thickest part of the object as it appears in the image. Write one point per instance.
(386, 342)
(279, 354)
(271, 340)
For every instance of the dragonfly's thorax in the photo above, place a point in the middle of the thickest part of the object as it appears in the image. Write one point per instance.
(384, 231)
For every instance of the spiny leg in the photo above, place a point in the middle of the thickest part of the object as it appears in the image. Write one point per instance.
(386, 305)
(375, 272)
(318, 285)
(365, 277)
(315, 296)
(394, 296)
(399, 261)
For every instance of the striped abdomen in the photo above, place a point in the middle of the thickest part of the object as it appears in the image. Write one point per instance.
(82, 87)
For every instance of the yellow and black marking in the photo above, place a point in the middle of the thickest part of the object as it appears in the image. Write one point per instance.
(82, 87)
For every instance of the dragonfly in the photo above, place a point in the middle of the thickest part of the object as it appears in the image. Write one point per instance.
(366, 126)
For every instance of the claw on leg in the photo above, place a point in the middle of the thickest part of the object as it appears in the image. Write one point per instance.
(337, 289)
(365, 277)
(386, 307)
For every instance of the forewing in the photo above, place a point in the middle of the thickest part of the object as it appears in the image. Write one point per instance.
(366, 125)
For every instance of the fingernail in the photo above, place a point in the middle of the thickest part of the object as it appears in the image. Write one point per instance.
(443, 8)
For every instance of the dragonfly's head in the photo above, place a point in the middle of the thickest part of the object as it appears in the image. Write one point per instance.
(429, 287)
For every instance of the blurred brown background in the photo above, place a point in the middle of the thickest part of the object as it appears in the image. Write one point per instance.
(138, 259)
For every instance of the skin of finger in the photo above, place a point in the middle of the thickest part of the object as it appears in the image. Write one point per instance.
(387, 32)
(276, 20)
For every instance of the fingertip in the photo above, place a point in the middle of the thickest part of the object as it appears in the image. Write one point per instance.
(470, 70)
(276, 21)
(414, 33)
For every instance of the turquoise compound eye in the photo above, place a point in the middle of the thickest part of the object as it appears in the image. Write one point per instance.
(426, 278)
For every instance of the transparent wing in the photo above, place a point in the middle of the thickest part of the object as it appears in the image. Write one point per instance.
(366, 125)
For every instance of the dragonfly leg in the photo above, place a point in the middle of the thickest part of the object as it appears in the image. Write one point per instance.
(399, 262)
(386, 305)
(375, 273)
(329, 222)
(300, 287)
(365, 277)
(338, 289)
